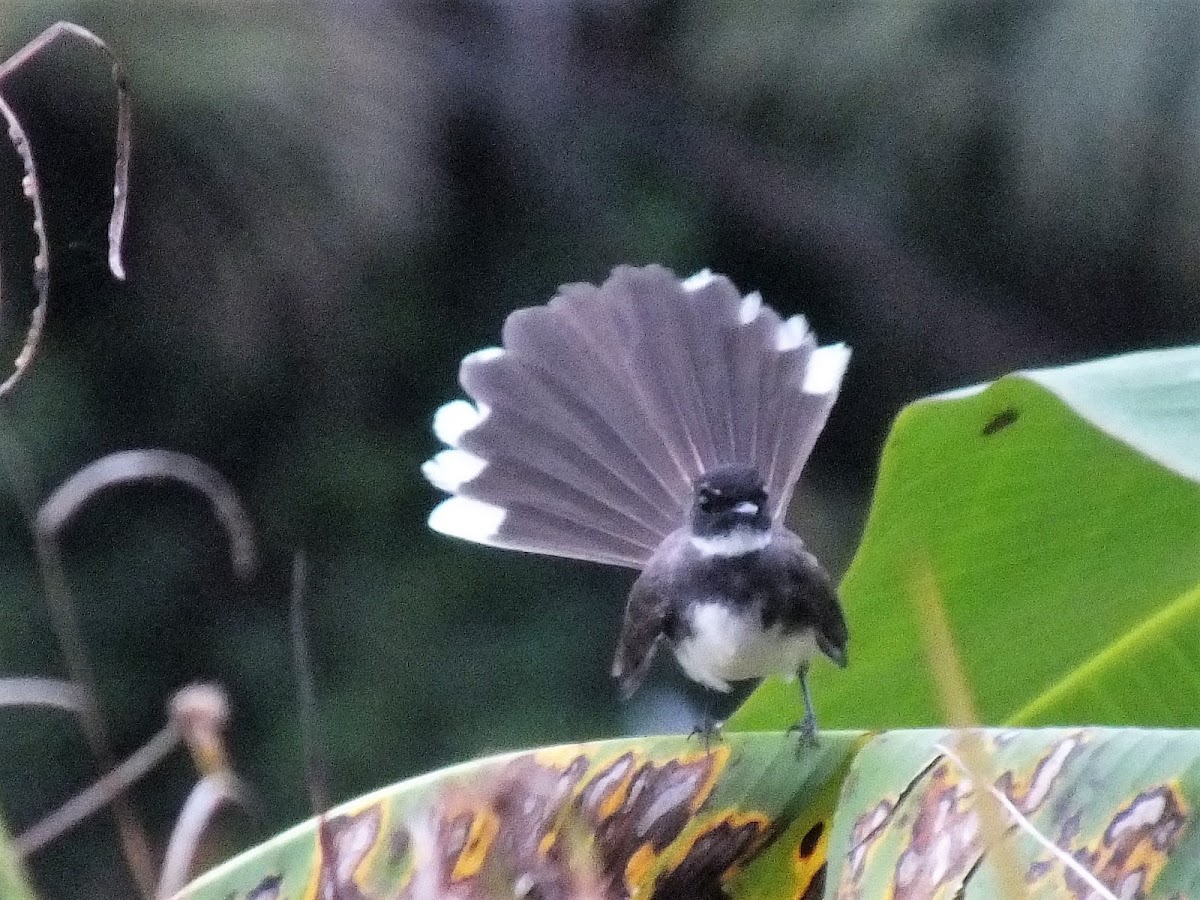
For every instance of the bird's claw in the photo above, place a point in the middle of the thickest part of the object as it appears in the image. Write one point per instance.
(807, 729)
(708, 731)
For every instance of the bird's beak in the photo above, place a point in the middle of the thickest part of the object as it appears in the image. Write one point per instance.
(746, 508)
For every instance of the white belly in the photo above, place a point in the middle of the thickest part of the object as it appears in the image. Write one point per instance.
(725, 647)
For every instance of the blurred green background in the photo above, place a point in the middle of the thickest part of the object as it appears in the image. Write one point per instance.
(333, 201)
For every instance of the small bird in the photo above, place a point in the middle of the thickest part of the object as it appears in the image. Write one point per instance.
(659, 424)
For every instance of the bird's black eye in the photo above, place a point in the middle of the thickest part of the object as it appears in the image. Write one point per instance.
(708, 500)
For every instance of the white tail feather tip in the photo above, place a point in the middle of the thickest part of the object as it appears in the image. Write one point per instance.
(825, 369)
(487, 354)
(750, 308)
(467, 518)
(701, 279)
(791, 334)
(451, 469)
(456, 418)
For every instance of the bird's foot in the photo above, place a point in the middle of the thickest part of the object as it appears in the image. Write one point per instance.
(708, 731)
(807, 729)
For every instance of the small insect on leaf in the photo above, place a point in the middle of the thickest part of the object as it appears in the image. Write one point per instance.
(1000, 421)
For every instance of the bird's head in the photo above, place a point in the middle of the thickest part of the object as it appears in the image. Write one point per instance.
(729, 512)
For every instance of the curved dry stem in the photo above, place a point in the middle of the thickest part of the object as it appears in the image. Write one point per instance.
(124, 143)
(55, 514)
(130, 466)
(203, 803)
(134, 466)
(53, 693)
(41, 262)
(32, 185)
(104, 791)
(135, 843)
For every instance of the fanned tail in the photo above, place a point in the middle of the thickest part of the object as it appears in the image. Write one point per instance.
(586, 430)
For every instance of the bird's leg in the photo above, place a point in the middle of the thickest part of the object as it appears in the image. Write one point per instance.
(709, 729)
(807, 727)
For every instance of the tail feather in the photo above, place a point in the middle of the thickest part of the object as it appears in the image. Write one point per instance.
(707, 320)
(550, 486)
(753, 366)
(585, 371)
(662, 363)
(604, 405)
(790, 347)
(520, 527)
(533, 417)
(810, 410)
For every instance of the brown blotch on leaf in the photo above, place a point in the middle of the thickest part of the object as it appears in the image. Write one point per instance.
(713, 856)
(945, 840)
(345, 841)
(1131, 852)
(868, 828)
(1135, 846)
(556, 827)
(1028, 795)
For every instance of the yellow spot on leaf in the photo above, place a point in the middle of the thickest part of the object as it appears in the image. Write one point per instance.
(716, 760)
(617, 794)
(809, 860)
(559, 758)
(484, 828)
(637, 870)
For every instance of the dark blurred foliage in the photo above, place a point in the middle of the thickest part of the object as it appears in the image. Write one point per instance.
(334, 201)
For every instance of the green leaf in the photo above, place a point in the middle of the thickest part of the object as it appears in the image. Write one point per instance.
(1060, 511)
(752, 814)
(14, 884)
(894, 815)
(1152, 674)
(1116, 806)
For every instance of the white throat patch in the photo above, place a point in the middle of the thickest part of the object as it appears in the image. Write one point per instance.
(738, 542)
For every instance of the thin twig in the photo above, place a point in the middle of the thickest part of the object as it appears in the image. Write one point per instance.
(314, 760)
(70, 497)
(135, 843)
(105, 790)
(32, 185)
(41, 262)
(55, 514)
(47, 692)
(124, 143)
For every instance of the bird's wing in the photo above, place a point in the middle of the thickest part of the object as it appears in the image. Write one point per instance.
(586, 429)
(818, 595)
(641, 633)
